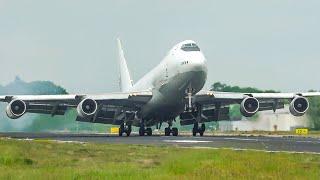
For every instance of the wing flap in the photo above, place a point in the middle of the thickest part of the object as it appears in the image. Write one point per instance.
(47, 109)
(271, 105)
(101, 120)
(208, 115)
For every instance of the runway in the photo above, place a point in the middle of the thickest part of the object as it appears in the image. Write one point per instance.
(289, 144)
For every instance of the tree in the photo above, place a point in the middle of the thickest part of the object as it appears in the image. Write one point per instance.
(221, 87)
(314, 112)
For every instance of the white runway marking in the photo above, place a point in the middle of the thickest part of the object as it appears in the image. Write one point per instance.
(186, 141)
(258, 150)
(241, 139)
(308, 142)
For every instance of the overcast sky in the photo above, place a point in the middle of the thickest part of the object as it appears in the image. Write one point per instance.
(271, 44)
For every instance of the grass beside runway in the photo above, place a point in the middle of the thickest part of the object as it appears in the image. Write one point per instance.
(42, 159)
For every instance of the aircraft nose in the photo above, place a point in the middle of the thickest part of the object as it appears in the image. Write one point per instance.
(198, 62)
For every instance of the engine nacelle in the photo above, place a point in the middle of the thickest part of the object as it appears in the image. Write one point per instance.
(299, 106)
(87, 108)
(249, 106)
(16, 108)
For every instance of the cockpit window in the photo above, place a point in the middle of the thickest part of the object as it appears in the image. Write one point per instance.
(190, 47)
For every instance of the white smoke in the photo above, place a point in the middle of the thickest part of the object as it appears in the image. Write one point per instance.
(282, 120)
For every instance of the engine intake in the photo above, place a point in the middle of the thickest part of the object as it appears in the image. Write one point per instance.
(87, 108)
(249, 106)
(16, 108)
(299, 106)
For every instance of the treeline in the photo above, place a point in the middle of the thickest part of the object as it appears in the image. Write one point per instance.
(41, 122)
(19, 87)
(218, 86)
(314, 112)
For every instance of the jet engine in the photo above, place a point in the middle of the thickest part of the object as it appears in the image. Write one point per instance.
(249, 106)
(87, 108)
(298, 106)
(16, 108)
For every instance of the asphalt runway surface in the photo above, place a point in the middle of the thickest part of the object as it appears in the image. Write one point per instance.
(265, 143)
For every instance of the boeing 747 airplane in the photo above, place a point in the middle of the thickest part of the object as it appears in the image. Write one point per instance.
(172, 90)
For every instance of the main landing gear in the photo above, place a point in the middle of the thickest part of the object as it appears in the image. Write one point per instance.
(169, 130)
(198, 129)
(143, 130)
(124, 128)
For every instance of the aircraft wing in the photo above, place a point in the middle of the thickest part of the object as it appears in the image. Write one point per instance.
(227, 98)
(210, 96)
(215, 105)
(58, 104)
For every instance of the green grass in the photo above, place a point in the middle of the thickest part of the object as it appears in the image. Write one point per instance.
(41, 159)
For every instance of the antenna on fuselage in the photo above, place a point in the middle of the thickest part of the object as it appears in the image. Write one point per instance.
(125, 79)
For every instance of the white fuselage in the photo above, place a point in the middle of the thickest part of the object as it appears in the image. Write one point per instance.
(178, 71)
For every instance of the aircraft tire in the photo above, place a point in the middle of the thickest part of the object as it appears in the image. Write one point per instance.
(149, 131)
(141, 131)
(128, 132)
(174, 131)
(203, 129)
(121, 130)
(194, 132)
(167, 131)
(195, 129)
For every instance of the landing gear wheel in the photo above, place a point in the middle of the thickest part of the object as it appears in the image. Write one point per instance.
(141, 131)
(203, 128)
(174, 131)
(121, 129)
(128, 131)
(125, 128)
(167, 131)
(194, 132)
(195, 129)
(149, 131)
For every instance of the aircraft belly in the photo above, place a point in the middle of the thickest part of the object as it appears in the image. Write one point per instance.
(168, 101)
